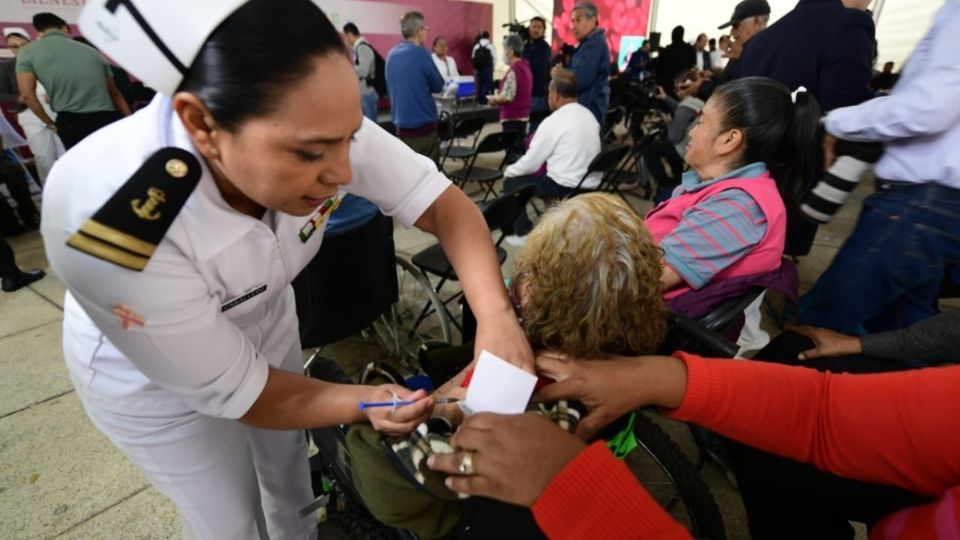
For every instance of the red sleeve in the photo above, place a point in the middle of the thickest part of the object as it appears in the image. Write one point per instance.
(937, 520)
(896, 428)
(596, 496)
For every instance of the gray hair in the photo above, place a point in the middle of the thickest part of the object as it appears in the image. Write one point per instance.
(514, 43)
(565, 84)
(410, 23)
(588, 8)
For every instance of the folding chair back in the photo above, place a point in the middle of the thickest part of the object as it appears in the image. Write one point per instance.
(500, 213)
(605, 162)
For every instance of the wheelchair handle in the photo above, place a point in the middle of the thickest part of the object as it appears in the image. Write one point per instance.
(714, 341)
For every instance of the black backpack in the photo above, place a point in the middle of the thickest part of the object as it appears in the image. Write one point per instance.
(377, 80)
(482, 58)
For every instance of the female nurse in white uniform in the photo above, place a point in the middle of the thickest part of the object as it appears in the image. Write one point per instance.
(179, 229)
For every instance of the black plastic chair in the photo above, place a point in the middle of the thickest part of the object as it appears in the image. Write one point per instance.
(485, 177)
(464, 129)
(500, 213)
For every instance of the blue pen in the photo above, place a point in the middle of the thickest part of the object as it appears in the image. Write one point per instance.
(402, 402)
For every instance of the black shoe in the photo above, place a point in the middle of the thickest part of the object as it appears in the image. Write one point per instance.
(26, 277)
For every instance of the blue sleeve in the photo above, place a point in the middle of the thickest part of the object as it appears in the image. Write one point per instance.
(434, 80)
(713, 235)
(585, 64)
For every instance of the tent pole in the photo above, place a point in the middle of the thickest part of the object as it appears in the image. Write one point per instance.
(654, 4)
(877, 10)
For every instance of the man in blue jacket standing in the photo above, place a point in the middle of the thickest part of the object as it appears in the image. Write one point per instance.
(591, 61)
(412, 78)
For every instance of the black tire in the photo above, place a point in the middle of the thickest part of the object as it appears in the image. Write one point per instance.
(350, 526)
(673, 481)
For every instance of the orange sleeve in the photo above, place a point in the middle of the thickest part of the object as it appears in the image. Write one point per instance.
(895, 428)
(596, 496)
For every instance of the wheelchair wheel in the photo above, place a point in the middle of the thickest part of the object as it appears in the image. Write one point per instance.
(670, 478)
(416, 318)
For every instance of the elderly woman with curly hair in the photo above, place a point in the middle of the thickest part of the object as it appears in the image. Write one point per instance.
(586, 284)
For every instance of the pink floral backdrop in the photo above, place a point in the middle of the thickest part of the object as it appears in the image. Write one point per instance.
(618, 17)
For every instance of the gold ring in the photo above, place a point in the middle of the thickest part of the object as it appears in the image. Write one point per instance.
(466, 464)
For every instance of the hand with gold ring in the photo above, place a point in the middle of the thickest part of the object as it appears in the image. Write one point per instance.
(511, 458)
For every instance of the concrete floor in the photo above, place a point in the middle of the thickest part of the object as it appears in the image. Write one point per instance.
(61, 478)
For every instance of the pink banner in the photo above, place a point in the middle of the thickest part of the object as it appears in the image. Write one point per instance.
(618, 17)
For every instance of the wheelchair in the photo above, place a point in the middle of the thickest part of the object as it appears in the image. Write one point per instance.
(357, 284)
(638, 439)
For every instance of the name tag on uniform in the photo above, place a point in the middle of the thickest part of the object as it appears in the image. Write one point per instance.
(243, 298)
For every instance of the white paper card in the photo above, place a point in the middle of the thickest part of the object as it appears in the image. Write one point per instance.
(499, 387)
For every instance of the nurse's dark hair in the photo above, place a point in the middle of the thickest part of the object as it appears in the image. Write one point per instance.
(258, 52)
(776, 131)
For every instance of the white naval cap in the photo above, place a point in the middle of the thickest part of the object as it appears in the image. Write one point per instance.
(156, 41)
(15, 30)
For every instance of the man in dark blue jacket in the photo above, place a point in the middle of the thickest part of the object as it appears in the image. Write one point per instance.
(591, 62)
(537, 53)
(825, 46)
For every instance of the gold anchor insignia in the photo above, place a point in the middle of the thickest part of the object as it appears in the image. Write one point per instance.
(176, 168)
(155, 197)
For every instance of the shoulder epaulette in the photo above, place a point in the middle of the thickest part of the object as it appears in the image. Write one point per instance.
(128, 227)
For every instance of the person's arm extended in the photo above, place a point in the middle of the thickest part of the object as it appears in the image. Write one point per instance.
(936, 339)
(292, 401)
(924, 105)
(117, 98)
(463, 233)
(27, 84)
(596, 496)
(893, 428)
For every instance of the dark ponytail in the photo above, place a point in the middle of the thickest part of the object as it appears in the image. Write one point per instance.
(776, 130)
(255, 54)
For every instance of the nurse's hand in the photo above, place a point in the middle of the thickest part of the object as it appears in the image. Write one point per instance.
(503, 337)
(396, 421)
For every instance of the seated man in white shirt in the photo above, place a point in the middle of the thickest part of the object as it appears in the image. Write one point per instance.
(567, 141)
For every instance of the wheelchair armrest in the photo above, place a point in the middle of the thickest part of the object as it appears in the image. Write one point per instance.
(713, 342)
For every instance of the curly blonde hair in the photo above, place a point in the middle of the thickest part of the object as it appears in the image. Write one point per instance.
(589, 278)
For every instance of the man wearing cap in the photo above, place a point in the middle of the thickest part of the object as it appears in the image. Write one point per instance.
(827, 47)
(749, 18)
(78, 80)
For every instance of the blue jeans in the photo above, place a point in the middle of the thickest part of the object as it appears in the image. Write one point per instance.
(368, 103)
(544, 188)
(888, 273)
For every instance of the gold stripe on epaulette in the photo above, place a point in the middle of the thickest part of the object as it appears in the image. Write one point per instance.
(107, 252)
(117, 238)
